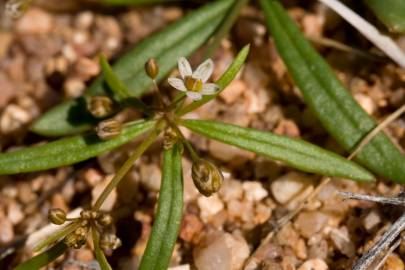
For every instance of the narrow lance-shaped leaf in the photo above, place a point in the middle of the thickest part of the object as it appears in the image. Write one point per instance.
(168, 217)
(223, 82)
(293, 152)
(339, 113)
(176, 213)
(43, 258)
(67, 151)
(180, 39)
(390, 12)
(120, 92)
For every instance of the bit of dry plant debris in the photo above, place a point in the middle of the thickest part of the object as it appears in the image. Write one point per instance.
(47, 57)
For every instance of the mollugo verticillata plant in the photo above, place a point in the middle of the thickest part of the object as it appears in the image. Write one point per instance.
(164, 118)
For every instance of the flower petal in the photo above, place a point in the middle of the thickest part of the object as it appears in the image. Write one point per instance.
(209, 89)
(184, 67)
(194, 95)
(204, 71)
(177, 83)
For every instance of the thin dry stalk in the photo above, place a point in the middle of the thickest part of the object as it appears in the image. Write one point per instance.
(392, 248)
(382, 245)
(378, 199)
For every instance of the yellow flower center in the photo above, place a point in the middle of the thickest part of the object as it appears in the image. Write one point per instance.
(192, 84)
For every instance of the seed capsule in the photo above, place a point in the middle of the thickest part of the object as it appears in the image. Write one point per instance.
(109, 242)
(169, 138)
(100, 106)
(206, 177)
(152, 68)
(108, 129)
(57, 216)
(105, 220)
(70, 240)
(14, 9)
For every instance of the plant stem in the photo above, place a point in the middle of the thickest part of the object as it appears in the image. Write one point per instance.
(57, 235)
(159, 94)
(128, 164)
(190, 149)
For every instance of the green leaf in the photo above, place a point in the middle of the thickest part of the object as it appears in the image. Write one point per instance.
(293, 152)
(223, 82)
(43, 258)
(334, 106)
(100, 256)
(67, 151)
(169, 213)
(120, 91)
(390, 12)
(179, 39)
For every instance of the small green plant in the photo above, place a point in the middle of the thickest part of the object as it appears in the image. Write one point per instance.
(163, 118)
(143, 68)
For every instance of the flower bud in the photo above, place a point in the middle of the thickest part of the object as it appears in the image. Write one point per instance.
(169, 138)
(108, 129)
(152, 68)
(57, 216)
(14, 9)
(70, 240)
(206, 177)
(105, 220)
(109, 242)
(100, 106)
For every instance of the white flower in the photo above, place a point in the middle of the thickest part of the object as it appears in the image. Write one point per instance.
(194, 83)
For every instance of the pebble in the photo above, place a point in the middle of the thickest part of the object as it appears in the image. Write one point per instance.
(190, 191)
(341, 239)
(6, 40)
(365, 102)
(229, 153)
(262, 213)
(86, 68)
(14, 212)
(180, 267)
(73, 87)
(310, 222)
(109, 203)
(84, 255)
(6, 230)
(13, 118)
(92, 177)
(288, 186)
(314, 264)
(256, 101)
(191, 228)
(371, 220)
(26, 194)
(221, 251)
(254, 191)
(7, 88)
(233, 91)
(35, 21)
(150, 176)
(393, 262)
(231, 190)
(209, 206)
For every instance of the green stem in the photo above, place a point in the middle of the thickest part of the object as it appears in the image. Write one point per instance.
(102, 260)
(57, 235)
(193, 153)
(128, 164)
(43, 258)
